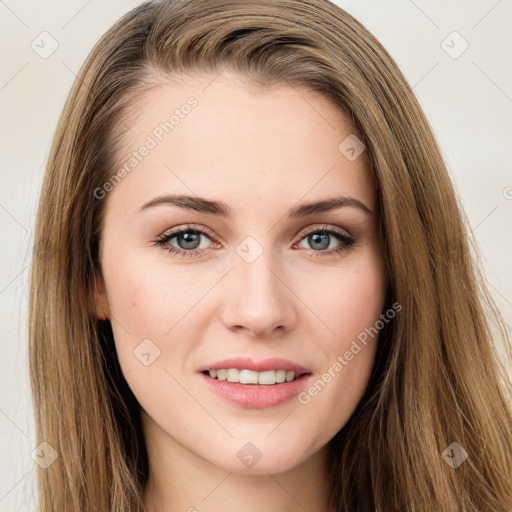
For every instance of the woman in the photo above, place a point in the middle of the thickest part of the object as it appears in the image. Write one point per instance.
(257, 289)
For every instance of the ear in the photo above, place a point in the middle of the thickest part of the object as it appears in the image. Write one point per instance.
(100, 300)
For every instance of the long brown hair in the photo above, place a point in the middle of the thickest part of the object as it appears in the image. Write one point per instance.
(436, 378)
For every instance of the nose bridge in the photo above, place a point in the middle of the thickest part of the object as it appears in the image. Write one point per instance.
(258, 298)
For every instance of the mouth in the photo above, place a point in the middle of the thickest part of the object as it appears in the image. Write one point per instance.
(255, 390)
(255, 384)
(254, 378)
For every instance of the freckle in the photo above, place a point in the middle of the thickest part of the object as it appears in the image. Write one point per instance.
(133, 303)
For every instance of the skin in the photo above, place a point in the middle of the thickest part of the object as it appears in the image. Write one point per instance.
(262, 152)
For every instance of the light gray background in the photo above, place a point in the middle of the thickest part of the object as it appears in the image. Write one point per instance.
(468, 101)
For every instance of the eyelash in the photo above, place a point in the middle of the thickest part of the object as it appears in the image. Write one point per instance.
(163, 241)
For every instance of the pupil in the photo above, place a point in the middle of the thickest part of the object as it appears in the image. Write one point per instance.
(317, 238)
(189, 240)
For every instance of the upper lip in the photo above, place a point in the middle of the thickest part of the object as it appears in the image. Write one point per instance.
(246, 363)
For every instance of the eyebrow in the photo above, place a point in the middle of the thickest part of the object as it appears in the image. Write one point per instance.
(203, 205)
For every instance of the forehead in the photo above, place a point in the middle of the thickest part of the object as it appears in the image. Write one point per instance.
(216, 136)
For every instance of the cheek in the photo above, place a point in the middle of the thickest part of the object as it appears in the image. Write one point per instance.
(352, 299)
(150, 298)
(156, 310)
(351, 308)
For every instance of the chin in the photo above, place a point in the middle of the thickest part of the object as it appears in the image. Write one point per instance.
(262, 468)
(259, 459)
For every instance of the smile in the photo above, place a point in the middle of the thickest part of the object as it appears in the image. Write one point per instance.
(252, 395)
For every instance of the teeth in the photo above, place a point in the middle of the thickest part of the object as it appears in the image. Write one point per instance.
(266, 378)
(233, 375)
(248, 377)
(281, 376)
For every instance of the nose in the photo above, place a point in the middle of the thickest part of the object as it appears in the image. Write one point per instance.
(258, 300)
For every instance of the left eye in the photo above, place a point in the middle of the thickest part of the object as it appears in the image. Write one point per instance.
(320, 239)
(188, 241)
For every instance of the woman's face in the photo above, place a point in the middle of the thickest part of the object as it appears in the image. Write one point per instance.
(212, 250)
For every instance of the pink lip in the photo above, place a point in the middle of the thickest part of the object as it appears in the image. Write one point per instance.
(241, 363)
(252, 396)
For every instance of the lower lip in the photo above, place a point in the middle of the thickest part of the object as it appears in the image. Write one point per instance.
(252, 396)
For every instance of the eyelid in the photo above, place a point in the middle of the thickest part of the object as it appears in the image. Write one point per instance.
(326, 227)
(188, 227)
